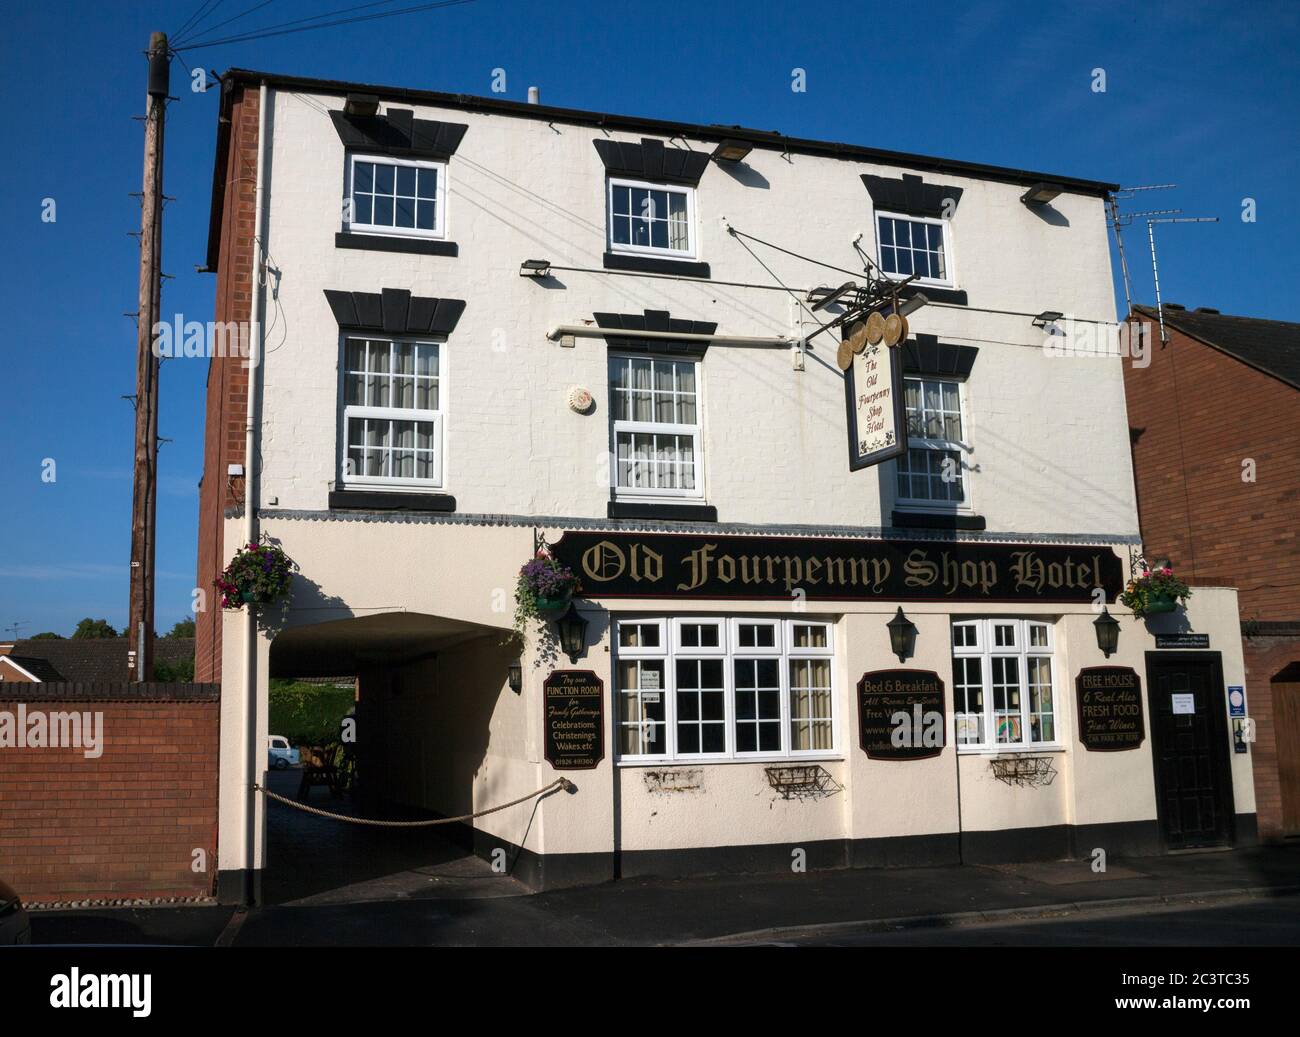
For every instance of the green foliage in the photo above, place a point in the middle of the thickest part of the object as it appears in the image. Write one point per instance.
(94, 628)
(48, 635)
(307, 713)
(183, 628)
(178, 673)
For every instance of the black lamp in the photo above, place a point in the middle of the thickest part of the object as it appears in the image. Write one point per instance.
(1107, 627)
(902, 635)
(515, 675)
(573, 633)
(731, 150)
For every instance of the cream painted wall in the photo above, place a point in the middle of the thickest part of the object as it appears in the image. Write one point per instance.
(774, 439)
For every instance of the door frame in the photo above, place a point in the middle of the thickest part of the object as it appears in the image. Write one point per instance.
(1219, 732)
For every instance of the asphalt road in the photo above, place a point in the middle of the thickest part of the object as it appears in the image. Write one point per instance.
(1266, 923)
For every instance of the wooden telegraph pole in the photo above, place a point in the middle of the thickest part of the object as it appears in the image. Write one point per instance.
(145, 489)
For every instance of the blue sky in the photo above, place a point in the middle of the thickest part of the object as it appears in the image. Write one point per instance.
(1197, 93)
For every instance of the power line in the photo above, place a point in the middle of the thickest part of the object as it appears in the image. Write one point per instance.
(232, 18)
(277, 31)
(300, 21)
(194, 19)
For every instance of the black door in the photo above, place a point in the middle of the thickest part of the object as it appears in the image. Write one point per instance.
(1189, 746)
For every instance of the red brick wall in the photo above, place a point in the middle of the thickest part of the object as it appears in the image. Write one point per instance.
(1202, 413)
(123, 825)
(227, 399)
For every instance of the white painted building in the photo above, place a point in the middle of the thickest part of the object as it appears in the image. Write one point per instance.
(416, 431)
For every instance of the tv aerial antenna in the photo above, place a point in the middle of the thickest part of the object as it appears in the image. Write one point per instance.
(16, 626)
(1119, 220)
(1155, 269)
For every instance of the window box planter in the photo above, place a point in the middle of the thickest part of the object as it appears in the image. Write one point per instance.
(1161, 602)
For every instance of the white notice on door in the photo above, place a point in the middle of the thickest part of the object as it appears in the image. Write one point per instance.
(1184, 703)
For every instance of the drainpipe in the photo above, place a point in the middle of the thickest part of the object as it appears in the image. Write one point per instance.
(252, 887)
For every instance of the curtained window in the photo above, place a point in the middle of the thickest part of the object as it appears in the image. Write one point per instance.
(1002, 683)
(392, 414)
(651, 218)
(715, 688)
(656, 431)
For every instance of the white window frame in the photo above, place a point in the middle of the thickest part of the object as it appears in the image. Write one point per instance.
(695, 431)
(436, 417)
(439, 231)
(626, 248)
(961, 448)
(946, 225)
(986, 651)
(783, 653)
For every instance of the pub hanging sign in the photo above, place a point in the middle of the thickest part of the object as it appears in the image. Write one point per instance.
(1110, 708)
(573, 702)
(873, 396)
(694, 566)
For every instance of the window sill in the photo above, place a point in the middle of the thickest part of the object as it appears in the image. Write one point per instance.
(387, 500)
(1007, 751)
(767, 761)
(679, 512)
(655, 265)
(936, 520)
(394, 243)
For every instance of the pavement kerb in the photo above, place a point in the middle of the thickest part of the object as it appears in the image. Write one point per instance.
(968, 918)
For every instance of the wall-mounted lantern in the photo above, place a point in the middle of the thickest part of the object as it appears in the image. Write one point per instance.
(573, 633)
(902, 635)
(1107, 627)
(515, 675)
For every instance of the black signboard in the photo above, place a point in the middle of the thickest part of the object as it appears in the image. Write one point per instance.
(690, 565)
(574, 708)
(1110, 708)
(1182, 640)
(901, 714)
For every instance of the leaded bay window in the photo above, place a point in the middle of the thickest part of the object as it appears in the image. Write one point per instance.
(397, 196)
(714, 688)
(392, 413)
(914, 245)
(656, 430)
(930, 473)
(1002, 683)
(652, 218)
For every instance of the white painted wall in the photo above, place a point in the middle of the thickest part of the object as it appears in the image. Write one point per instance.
(774, 439)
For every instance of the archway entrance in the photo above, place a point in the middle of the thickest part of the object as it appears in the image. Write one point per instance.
(424, 690)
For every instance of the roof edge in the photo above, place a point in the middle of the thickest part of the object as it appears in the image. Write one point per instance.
(762, 138)
(1154, 314)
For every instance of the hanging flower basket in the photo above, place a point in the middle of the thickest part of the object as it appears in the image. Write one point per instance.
(259, 574)
(545, 586)
(1155, 591)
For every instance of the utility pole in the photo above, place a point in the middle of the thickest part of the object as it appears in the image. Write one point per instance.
(145, 487)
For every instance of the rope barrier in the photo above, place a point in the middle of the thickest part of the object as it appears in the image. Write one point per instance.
(558, 783)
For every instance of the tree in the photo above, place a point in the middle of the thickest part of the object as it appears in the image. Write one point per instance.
(91, 628)
(47, 635)
(183, 628)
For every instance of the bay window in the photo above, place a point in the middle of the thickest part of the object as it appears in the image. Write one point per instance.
(392, 413)
(656, 427)
(1002, 683)
(717, 688)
